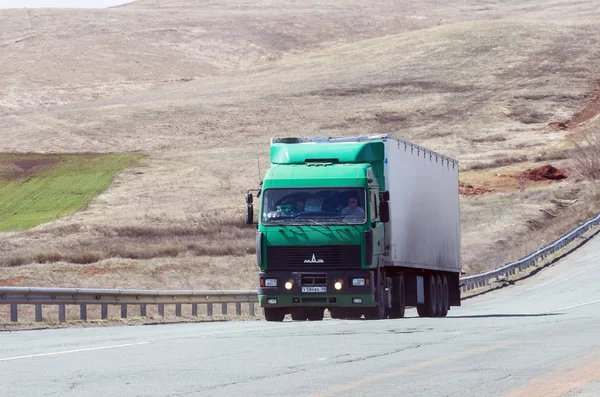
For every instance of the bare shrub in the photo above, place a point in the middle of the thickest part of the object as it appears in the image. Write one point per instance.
(15, 261)
(138, 252)
(555, 155)
(501, 162)
(84, 257)
(490, 138)
(47, 257)
(586, 155)
(238, 248)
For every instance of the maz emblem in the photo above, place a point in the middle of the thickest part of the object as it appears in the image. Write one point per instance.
(314, 260)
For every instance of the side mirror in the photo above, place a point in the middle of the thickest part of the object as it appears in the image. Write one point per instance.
(384, 211)
(249, 213)
(248, 198)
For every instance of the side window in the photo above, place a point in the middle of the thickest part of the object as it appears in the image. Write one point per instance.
(374, 214)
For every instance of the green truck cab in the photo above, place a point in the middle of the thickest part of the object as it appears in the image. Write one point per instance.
(324, 238)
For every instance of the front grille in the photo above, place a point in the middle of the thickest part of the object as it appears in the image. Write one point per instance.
(313, 279)
(314, 300)
(313, 257)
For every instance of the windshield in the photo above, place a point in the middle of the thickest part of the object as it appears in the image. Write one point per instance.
(321, 206)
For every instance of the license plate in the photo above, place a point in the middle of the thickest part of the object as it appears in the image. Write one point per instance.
(314, 289)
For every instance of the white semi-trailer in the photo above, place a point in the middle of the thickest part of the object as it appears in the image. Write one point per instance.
(360, 226)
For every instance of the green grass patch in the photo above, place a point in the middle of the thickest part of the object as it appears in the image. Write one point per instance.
(37, 188)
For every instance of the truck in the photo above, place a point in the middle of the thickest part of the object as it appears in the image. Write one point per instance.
(360, 226)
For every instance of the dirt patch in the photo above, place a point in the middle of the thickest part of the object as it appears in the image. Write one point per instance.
(12, 281)
(545, 172)
(466, 189)
(589, 112)
(557, 125)
(26, 167)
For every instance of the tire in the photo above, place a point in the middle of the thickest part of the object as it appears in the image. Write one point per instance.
(378, 312)
(299, 314)
(351, 314)
(399, 303)
(445, 297)
(429, 308)
(274, 314)
(439, 294)
(314, 314)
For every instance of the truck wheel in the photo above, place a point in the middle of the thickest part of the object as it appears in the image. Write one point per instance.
(315, 314)
(351, 314)
(438, 294)
(378, 312)
(445, 297)
(274, 314)
(399, 304)
(429, 308)
(299, 315)
(336, 313)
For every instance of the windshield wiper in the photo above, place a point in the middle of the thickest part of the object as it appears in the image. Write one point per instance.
(315, 222)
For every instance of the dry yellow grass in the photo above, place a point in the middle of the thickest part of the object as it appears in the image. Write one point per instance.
(200, 88)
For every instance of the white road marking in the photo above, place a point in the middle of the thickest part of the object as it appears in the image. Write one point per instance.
(73, 351)
(574, 306)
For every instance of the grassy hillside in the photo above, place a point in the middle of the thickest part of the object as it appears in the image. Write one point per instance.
(200, 89)
(37, 188)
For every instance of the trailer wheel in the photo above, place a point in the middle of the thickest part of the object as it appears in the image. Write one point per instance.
(399, 303)
(314, 314)
(274, 313)
(445, 296)
(439, 292)
(429, 308)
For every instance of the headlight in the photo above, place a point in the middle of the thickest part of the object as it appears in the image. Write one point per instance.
(288, 285)
(337, 285)
(270, 282)
(272, 301)
(358, 282)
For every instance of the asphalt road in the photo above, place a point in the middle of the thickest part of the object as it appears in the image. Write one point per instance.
(540, 337)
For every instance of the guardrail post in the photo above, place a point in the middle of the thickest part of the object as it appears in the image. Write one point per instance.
(62, 315)
(224, 308)
(38, 313)
(251, 308)
(143, 310)
(178, 309)
(195, 309)
(161, 310)
(238, 308)
(14, 312)
(123, 311)
(83, 312)
(209, 309)
(104, 311)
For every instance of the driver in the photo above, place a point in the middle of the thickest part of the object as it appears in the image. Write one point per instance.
(353, 209)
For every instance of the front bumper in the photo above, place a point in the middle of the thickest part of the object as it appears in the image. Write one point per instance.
(347, 296)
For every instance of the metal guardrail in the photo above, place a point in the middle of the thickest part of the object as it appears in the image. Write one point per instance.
(104, 297)
(484, 279)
